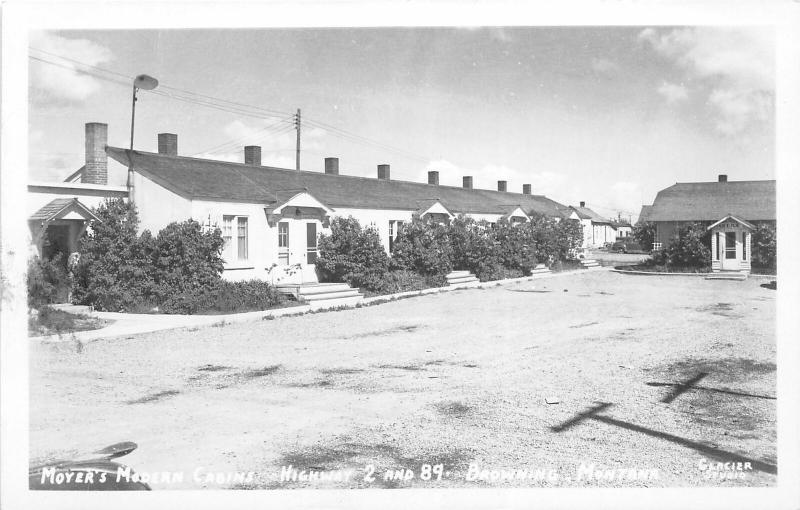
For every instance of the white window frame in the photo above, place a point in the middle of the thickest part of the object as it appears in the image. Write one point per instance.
(230, 233)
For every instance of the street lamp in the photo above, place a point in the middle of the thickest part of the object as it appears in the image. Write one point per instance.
(143, 82)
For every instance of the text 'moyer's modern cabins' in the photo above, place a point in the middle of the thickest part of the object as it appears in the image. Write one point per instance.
(269, 217)
(731, 210)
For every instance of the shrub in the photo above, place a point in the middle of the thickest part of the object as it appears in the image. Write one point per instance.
(658, 258)
(690, 247)
(116, 270)
(554, 240)
(48, 281)
(186, 259)
(764, 246)
(645, 234)
(423, 246)
(223, 296)
(473, 245)
(516, 247)
(402, 280)
(351, 254)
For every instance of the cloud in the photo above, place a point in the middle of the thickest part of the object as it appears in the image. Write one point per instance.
(277, 142)
(674, 93)
(64, 83)
(604, 66)
(737, 64)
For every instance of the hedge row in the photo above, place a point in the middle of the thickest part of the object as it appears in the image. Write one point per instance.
(425, 251)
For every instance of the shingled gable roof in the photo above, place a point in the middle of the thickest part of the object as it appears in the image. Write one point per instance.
(220, 180)
(585, 213)
(710, 201)
(54, 209)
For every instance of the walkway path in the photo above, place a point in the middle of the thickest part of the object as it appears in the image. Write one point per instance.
(128, 324)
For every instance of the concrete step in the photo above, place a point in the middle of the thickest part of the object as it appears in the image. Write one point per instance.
(322, 296)
(455, 274)
(727, 276)
(300, 289)
(461, 279)
(322, 288)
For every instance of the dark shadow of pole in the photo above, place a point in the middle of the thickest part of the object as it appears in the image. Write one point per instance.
(717, 390)
(716, 453)
(711, 451)
(681, 388)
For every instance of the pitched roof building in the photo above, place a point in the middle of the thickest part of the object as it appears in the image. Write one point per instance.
(731, 209)
(710, 201)
(272, 216)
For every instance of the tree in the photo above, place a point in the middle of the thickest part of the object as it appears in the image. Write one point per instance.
(423, 246)
(351, 254)
(764, 246)
(690, 247)
(645, 234)
(115, 270)
(186, 258)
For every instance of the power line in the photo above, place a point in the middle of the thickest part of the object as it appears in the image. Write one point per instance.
(275, 126)
(230, 106)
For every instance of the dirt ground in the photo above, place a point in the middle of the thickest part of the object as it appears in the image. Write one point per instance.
(577, 379)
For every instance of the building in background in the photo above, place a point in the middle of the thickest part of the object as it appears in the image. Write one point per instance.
(597, 230)
(731, 210)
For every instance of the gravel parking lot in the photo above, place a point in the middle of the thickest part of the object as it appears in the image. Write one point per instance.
(578, 379)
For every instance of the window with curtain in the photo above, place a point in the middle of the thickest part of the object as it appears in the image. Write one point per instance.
(227, 237)
(234, 251)
(241, 237)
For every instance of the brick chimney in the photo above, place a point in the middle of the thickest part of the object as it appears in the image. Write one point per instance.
(526, 189)
(583, 204)
(168, 144)
(252, 155)
(96, 169)
(433, 177)
(467, 182)
(502, 185)
(383, 172)
(332, 166)
(722, 178)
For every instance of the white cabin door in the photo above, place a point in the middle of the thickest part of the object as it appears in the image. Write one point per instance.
(730, 259)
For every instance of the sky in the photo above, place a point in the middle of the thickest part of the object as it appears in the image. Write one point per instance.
(605, 115)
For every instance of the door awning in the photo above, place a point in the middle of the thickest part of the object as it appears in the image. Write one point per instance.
(294, 200)
(63, 209)
(732, 218)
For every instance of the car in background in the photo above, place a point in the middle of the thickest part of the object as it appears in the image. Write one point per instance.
(627, 246)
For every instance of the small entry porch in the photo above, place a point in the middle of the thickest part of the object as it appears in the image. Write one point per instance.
(730, 245)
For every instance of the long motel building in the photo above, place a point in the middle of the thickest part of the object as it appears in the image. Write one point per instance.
(270, 217)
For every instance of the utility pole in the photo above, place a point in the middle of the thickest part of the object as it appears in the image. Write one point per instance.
(297, 126)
